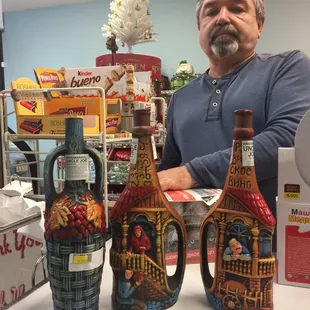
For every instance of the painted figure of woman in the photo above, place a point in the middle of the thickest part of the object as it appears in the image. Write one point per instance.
(139, 241)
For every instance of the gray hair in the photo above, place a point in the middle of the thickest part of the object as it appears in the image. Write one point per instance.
(259, 6)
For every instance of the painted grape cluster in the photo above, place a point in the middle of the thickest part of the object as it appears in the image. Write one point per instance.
(70, 218)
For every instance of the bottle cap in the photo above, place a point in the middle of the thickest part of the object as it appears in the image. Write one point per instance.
(142, 117)
(243, 118)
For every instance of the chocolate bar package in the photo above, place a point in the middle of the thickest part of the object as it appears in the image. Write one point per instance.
(31, 107)
(105, 77)
(71, 111)
(51, 78)
(117, 81)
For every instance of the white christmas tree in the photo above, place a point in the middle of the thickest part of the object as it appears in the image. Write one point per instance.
(130, 22)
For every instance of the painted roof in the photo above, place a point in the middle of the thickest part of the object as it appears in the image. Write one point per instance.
(133, 196)
(256, 205)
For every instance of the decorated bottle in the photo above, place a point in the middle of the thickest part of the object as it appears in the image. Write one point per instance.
(244, 266)
(75, 224)
(140, 219)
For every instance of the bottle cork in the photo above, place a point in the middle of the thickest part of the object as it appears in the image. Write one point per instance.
(142, 118)
(243, 118)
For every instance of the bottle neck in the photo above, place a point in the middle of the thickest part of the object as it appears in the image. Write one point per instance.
(142, 171)
(241, 172)
(75, 165)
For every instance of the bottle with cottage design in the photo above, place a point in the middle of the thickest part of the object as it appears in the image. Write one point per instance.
(245, 265)
(140, 218)
(75, 224)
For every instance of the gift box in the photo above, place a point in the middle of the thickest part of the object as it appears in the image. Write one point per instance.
(293, 223)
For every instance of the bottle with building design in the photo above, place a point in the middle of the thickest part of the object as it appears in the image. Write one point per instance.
(140, 219)
(244, 266)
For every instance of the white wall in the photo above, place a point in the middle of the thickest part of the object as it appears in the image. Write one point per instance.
(287, 26)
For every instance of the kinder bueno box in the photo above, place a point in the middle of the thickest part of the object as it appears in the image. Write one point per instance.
(113, 80)
(293, 243)
(140, 63)
(192, 205)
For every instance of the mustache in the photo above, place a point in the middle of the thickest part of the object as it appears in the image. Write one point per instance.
(229, 30)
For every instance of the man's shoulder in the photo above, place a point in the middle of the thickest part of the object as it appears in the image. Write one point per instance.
(286, 56)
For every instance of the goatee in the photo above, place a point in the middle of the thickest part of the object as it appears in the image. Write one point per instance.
(224, 41)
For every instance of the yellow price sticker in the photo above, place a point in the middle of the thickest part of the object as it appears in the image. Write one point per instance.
(291, 196)
(80, 259)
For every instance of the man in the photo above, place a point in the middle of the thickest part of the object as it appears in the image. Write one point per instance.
(200, 115)
(126, 289)
(235, 251)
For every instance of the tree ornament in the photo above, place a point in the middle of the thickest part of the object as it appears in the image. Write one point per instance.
(148, 12)
(138, 8)
(137, 24)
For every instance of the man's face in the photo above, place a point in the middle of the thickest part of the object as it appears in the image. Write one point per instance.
(228, 26)
(236, 247)
(138, 233)
(128, 274)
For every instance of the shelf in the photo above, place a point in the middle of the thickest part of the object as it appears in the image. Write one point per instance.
(60, 137)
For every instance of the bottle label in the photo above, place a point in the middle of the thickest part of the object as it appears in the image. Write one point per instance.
(77, 167)
(247, 153)
(87, 261)
(232, 151)
(154, 148)
(134, 151)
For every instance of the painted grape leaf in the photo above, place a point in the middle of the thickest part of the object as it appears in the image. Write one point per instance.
(59, 214)
(94, 213)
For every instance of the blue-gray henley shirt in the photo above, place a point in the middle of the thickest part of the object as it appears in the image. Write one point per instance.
(201, 118)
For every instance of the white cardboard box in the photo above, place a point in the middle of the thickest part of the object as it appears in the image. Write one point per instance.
(293, 244)
(293, 223)
(291, 186)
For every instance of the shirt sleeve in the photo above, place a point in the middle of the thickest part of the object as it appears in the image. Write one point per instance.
(287, 101)
(172, 155)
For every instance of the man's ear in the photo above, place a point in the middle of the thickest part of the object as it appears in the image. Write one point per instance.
(260, 25)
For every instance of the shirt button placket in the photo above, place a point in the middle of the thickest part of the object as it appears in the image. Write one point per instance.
(215, 101)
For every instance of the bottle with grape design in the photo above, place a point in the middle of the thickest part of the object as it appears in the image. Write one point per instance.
(75, 224)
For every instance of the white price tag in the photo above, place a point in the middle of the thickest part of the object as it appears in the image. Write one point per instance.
(247, 153)
(154, 148)
(87, 261)
(77, 167)
(134, 150)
